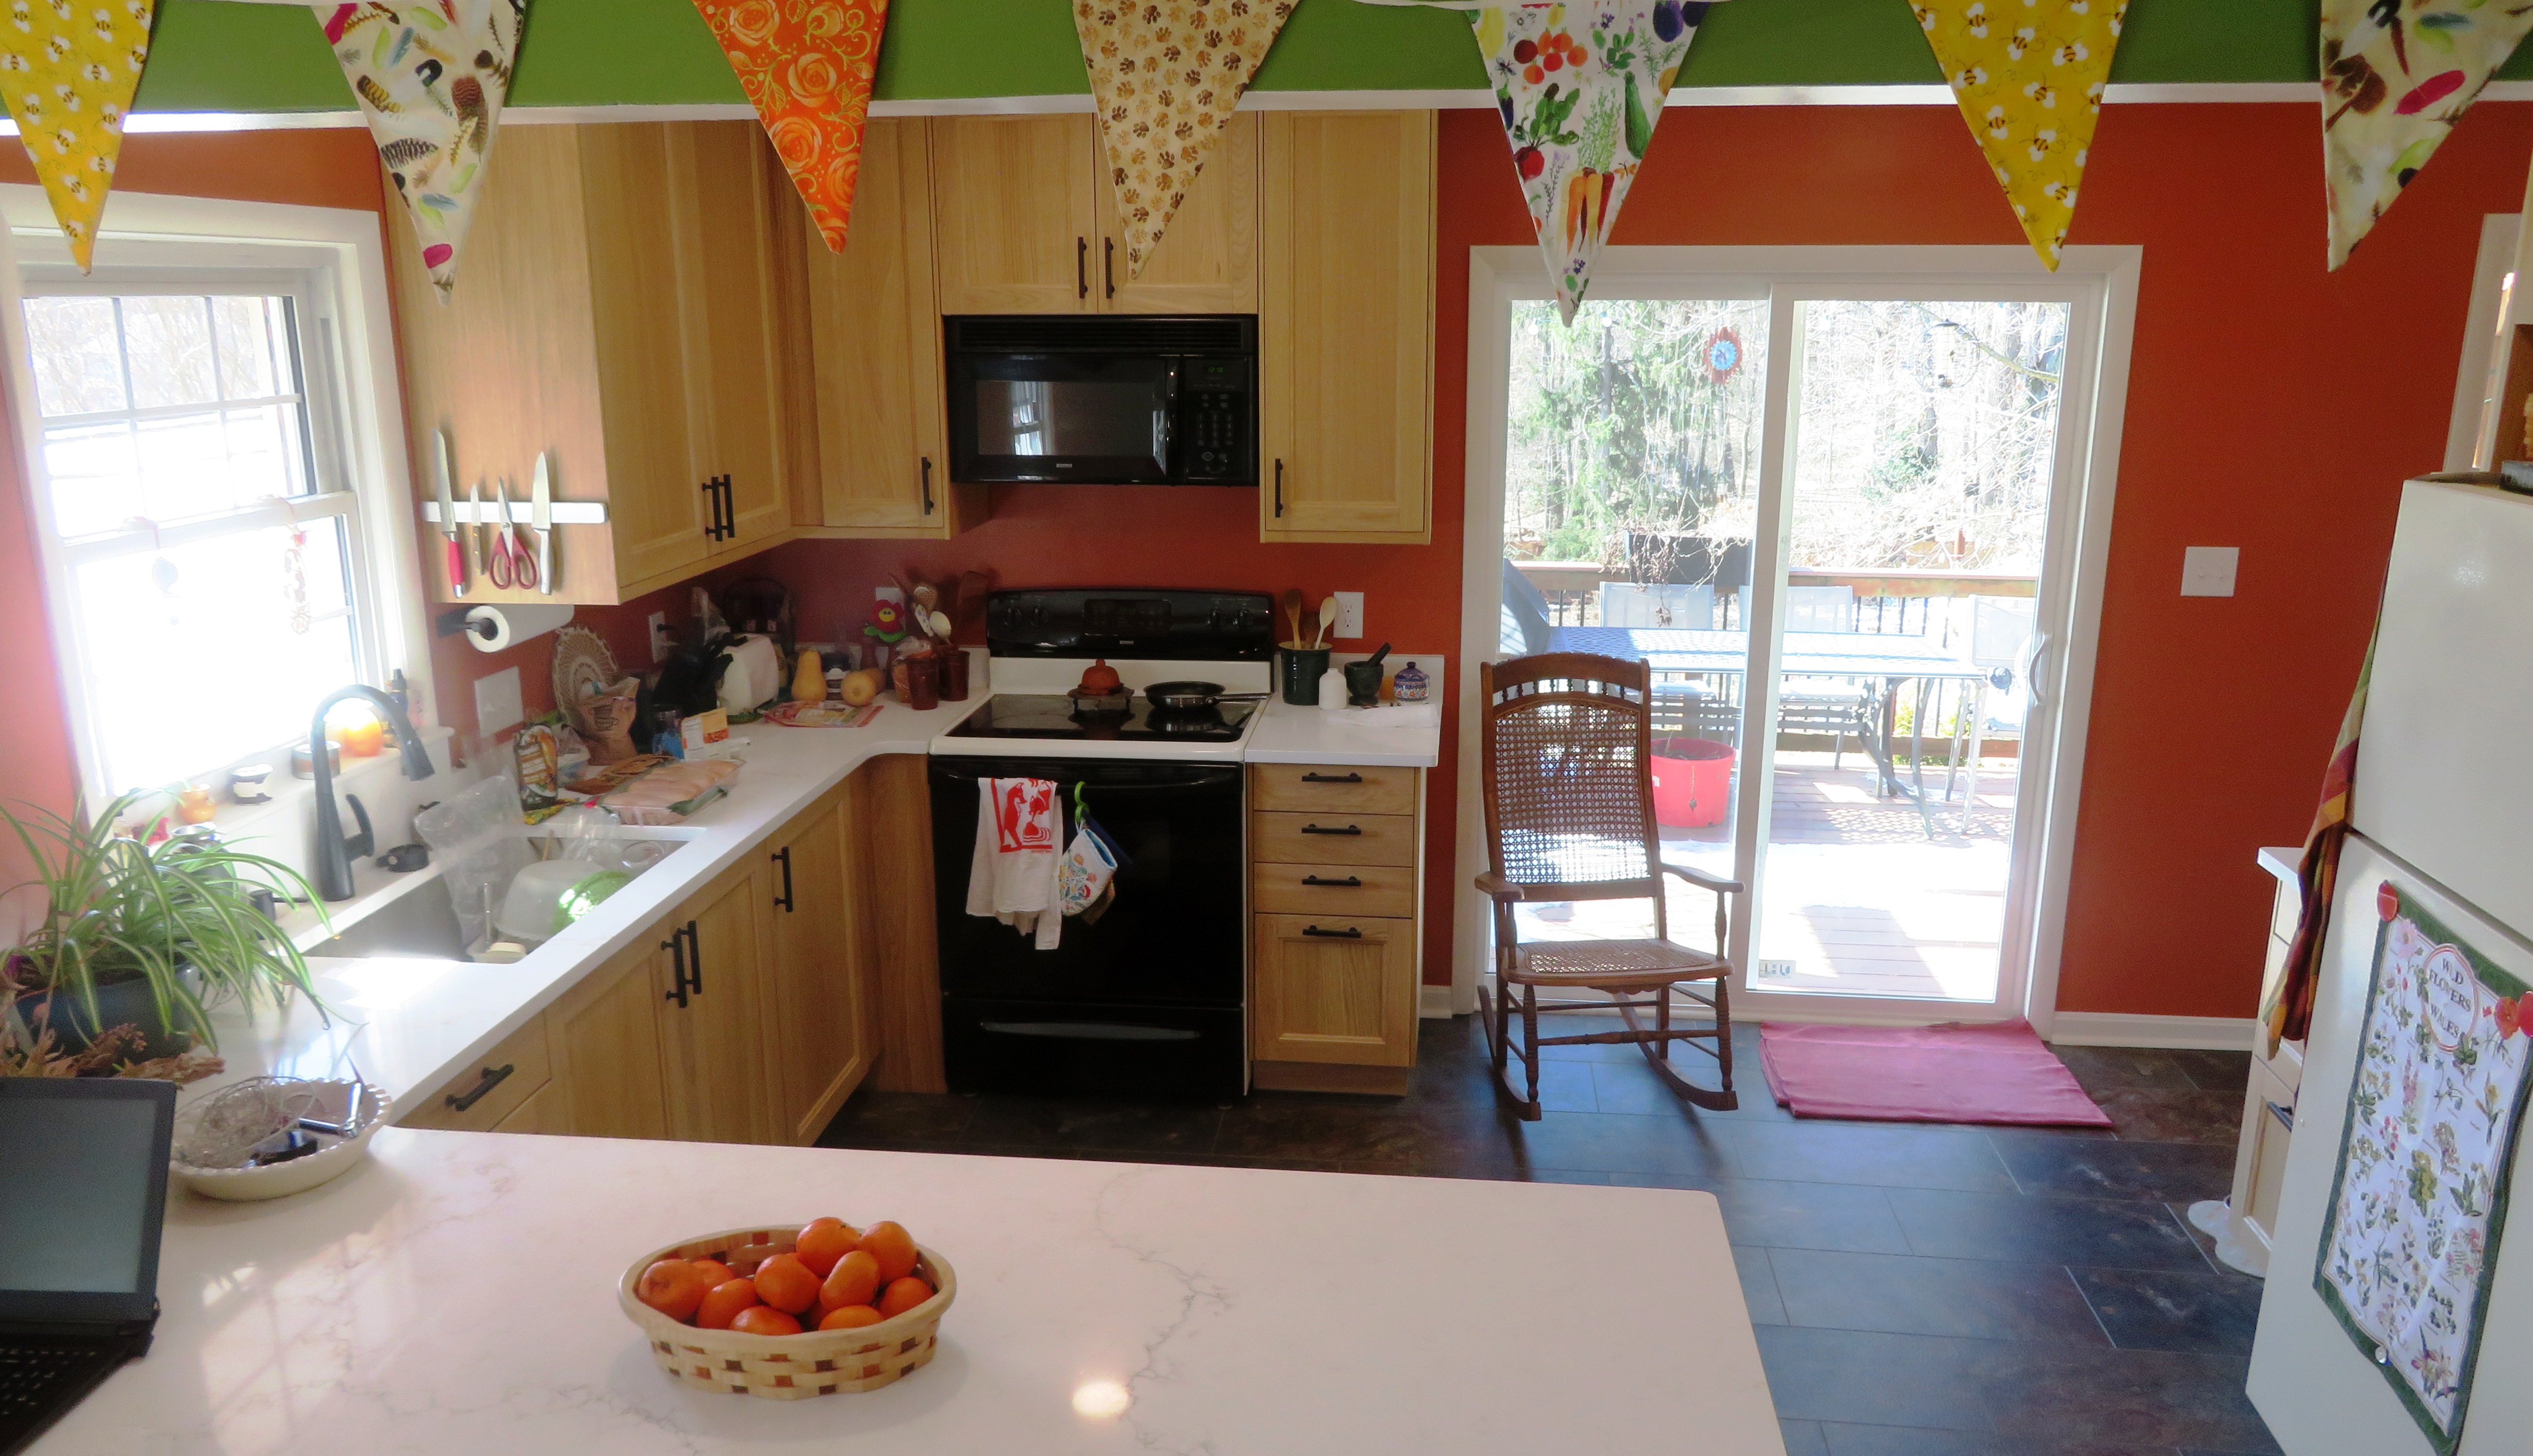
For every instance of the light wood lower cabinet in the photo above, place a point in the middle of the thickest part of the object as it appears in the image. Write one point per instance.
(712, 1021)
(1335, 988)
(501, 1079)
(1335, 968)
(609, 1064)
(815, 1007)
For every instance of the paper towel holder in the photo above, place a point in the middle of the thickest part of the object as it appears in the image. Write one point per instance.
(453, 623)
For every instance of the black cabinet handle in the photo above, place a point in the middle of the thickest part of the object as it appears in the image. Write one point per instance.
(494, 1076)
(1351, 828)
(1332, 778)
(712, 502)
(675, 946)
(1350, 881)
(694, 960)
(927, 485)
(1279, 487)
(729, 510)
(1108, 264)
(1349, 933)
(1082, 267)
(724, 515)
(783, 902)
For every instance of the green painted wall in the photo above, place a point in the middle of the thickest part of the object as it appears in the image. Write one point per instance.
(210, 55)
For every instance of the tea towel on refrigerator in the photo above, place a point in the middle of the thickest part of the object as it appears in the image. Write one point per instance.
(1012, 875)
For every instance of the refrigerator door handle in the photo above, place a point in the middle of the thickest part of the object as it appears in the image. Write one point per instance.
(2031, 668)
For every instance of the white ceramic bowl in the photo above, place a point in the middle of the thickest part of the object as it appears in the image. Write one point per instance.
(281, 1180)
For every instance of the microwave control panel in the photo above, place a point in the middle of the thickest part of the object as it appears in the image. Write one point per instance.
(1214, 421)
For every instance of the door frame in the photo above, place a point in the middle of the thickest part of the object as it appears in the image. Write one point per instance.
(2104, 281)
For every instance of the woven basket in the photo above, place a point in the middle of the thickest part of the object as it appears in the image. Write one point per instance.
(786, 1366)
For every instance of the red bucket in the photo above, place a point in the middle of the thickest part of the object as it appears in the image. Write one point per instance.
(1692, 781)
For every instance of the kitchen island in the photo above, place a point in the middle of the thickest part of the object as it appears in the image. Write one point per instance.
(454, 1296)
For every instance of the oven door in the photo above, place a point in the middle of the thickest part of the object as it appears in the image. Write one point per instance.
(1098, 419)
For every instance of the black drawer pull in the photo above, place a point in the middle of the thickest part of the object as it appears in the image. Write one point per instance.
(675, 946)
(1082, 267)
(1332, 778)
(783, 902)
(493, 1078)
(1349, 933)
(2285, 1115)
(1351, 828)
(694, 960)
(1350, 881)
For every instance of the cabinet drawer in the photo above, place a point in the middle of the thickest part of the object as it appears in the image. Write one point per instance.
(1344, 890)
(499, 1081)
(1332, 839)
(1334, 989)
(1333, 788)
(2269, 1152)
(2284, 910)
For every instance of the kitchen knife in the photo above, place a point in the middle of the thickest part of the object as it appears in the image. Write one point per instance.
(475, 537)
(542, 498)
(448, 513)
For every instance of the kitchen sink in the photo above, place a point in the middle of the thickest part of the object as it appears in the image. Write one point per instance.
(423, 923)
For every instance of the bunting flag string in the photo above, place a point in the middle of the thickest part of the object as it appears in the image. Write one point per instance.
(430, 77)
(1166, 76)
(2396, 74)
(807, 67)
(68, 73)
(2029, 76)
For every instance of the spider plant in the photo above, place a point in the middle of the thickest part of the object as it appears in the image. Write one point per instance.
(119, 910)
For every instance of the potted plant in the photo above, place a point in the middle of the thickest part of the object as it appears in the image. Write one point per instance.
(142, 935)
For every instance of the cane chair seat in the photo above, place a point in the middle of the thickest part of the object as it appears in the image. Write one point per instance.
(1611, 965)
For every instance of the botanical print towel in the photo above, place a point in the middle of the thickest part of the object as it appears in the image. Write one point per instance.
(2409, 1239)
(1165, 75)
(808, 68)
(2029, 76)
(68, 72)
(2396, 76)
(431, 76)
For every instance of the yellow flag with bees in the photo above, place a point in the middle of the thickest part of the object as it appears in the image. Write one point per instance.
(2029, 76)
(68, 72)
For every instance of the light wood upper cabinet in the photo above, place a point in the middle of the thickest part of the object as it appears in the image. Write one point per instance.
(1015, 225)
(814, 990)
(875, 338)
(617, 308)
(712, 1037)
(1208, 260)
(1345, 327)
(605, 1039)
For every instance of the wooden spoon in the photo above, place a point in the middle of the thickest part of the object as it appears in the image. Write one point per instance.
(1293, 613)
(1328, 619)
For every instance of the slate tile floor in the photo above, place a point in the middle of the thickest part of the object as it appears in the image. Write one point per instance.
(1918, 1290)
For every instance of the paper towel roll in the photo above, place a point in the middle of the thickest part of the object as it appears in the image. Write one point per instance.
(498, 628)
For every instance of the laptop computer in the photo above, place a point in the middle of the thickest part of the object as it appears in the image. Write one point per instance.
(82, 1202)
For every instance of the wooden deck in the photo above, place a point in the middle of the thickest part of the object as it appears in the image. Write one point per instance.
(1853, 893)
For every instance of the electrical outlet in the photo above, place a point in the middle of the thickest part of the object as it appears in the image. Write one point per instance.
(496, 702)
(2208, 570)
(658, 636)
(1349, 616)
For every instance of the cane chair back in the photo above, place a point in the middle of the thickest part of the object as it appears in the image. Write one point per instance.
(1567, 745)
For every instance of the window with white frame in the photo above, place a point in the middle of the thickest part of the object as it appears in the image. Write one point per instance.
(203, 532)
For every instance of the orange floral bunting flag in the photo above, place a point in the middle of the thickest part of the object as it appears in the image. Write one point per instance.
(68, 72)
(808, 68)
(1166, 75)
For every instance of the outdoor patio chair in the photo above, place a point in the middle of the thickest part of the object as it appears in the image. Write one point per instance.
(1565, 744)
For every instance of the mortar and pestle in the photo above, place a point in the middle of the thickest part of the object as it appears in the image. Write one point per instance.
(1363, 679)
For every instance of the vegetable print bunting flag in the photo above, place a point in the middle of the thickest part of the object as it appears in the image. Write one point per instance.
(2396, 74)
(2029, 76)
(68, 72)
(808, 68)
(431, 78)
(1166, 75)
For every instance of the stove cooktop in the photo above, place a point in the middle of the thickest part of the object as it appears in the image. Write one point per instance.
(1051, 715)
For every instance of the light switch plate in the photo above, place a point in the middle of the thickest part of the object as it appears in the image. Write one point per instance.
(496, 702)
(2208, 570)
(1349, 616)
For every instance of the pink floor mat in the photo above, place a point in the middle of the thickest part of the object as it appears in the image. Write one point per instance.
(1990, 1072)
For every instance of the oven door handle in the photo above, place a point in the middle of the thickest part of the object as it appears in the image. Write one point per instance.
(1088, 1031)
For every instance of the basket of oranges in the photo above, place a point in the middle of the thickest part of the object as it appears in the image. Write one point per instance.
(789, 1313)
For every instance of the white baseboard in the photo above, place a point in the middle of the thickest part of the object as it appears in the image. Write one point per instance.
(1433, 1001)
(2186, 1034)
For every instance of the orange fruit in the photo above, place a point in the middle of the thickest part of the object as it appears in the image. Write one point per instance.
(850, 1316)
(902, 1294)
(725, 1302)
(715, 1272)
(786, 1284)
(764, 1319)
(854, 1281)
(893, 1247)
(823, 1241)
(674, 1287)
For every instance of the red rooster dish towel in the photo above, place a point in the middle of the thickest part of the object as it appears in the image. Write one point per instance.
(1012, 875)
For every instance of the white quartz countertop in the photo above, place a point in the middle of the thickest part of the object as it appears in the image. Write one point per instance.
(454, 1296)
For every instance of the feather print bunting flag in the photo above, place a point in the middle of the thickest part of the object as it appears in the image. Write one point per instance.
(2029, 76)
(430, 77)
(68, 72)
(2396, 74)
(808, 68)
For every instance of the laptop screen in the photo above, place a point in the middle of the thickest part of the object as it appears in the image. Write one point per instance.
(84, 1196)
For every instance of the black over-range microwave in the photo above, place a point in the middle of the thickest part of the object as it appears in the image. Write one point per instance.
(1105, 400)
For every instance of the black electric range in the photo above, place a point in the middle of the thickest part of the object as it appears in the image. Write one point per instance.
(1052, 716)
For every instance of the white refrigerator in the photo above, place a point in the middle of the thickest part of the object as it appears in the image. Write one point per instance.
(2443, 820)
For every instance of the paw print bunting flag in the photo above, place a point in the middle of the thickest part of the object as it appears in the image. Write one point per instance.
(2396, 74)
(68, 72)
(432, 76)
(1166, 75)
(2029, 76)
(807, 67)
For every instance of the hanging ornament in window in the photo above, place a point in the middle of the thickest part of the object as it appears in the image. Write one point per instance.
(1721, 355)
(294, 579)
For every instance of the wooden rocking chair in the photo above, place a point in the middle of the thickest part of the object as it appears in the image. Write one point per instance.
(1566, 748)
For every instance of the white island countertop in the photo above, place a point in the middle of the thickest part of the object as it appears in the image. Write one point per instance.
(454, 1296)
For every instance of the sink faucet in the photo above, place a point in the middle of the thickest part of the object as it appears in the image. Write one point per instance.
(333, 853)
